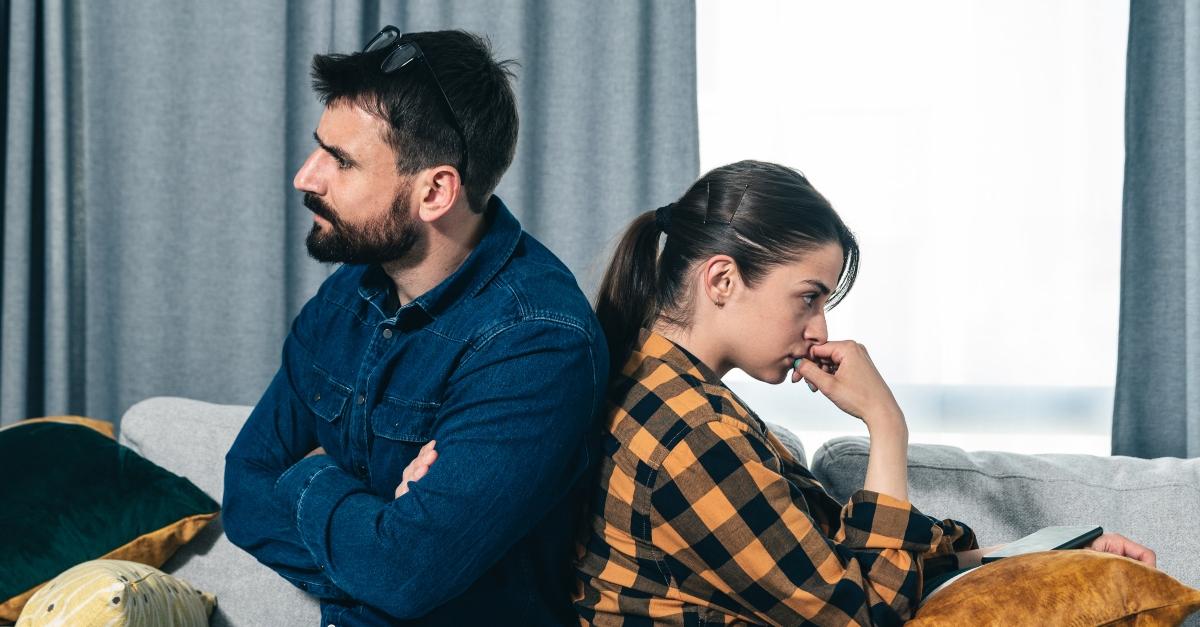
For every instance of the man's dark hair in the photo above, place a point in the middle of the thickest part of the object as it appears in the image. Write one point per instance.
(421, 132)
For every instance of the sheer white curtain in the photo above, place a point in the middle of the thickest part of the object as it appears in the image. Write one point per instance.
(976, 150)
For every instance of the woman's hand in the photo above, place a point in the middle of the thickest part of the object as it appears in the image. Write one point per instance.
(417, 467)
(1120, 545)
(845, 374)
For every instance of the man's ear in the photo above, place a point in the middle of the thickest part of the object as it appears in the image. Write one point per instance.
(719, 277)
(438, 190)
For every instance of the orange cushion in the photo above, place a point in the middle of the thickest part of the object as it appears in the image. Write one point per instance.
(1078, 587)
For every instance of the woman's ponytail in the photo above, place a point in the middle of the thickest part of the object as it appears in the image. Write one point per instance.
(626, 302)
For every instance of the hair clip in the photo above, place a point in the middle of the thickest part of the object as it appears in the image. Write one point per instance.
(708, 206)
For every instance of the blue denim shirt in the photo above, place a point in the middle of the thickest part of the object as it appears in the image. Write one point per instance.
(504, 364)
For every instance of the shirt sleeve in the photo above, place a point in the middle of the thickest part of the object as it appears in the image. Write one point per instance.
(825, 510)
(511, 441)
(726, 519)
(279, 431)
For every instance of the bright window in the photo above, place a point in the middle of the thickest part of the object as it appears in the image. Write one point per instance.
(976, 150)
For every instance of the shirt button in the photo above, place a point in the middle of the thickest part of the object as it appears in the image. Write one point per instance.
(387, 334)
(316, 397)
(361, 399)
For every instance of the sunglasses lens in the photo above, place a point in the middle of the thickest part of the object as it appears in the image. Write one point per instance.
(382, 40)
(399, 58)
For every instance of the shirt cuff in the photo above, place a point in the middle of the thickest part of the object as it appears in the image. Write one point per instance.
(309, 491)
(873, 520)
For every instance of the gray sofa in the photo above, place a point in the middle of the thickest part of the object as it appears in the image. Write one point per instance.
(1002, 496)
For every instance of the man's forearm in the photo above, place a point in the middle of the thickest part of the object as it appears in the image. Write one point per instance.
(252, 524)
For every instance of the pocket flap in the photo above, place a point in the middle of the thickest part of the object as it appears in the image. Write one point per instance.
(404, 420)
(324, 396)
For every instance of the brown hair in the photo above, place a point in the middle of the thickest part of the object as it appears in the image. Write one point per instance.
(760, 214)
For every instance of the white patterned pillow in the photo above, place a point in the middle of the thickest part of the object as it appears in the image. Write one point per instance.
(117, 593)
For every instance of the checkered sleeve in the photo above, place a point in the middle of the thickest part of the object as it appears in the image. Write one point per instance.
(940, 558)
(727, 520)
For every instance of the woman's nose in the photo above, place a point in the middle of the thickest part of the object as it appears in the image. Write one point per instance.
(816, 329)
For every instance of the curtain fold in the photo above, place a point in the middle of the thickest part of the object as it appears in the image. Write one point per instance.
(151, 241)
(1157, 403)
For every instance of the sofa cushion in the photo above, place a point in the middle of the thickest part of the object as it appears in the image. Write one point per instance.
(1005, 496)
(116, 593)
(191, 438)
(1081, 587)
(72, 494)
(789, 439)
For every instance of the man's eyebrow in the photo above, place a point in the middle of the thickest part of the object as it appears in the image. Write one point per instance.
(819, 285)
(337, 153)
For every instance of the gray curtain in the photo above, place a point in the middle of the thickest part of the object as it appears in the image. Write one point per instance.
(151, 241)
(1157, 404)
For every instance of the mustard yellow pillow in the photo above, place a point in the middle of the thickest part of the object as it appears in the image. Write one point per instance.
(117, 593)
(1078, 587)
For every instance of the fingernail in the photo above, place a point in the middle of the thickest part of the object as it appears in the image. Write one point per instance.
(811, 387)
(796, 364)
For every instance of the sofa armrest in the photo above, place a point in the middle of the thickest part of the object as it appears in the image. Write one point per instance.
(1004, 496)
(190, 438)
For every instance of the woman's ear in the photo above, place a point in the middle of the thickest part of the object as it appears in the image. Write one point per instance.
(720, 279)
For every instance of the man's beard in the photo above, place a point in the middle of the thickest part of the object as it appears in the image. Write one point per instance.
(387, 238)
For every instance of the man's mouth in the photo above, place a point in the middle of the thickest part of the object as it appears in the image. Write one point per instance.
(318, 207)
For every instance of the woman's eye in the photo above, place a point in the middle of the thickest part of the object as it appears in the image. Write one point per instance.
(809, 299)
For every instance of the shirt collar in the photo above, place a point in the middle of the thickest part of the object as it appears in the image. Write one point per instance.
(651, 344)
(501, 236)
(654, 346)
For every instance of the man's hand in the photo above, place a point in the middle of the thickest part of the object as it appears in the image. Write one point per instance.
(417, 467)
(1120, 545)
(317, 451)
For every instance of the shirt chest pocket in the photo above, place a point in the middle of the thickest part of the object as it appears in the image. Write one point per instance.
(404, 421)
(325, 396)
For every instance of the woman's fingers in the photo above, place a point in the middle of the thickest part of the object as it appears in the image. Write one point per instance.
(843, 372)
(1118, 544)
(813, 374)
(832, 352)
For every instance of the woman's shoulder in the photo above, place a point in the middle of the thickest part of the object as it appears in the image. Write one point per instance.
(653, 408)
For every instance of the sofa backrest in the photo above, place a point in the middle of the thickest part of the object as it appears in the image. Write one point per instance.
(1004, 496)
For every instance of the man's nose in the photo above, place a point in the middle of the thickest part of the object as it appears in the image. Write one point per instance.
(308, 178)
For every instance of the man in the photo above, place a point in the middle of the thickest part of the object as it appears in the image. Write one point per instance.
(448, 334)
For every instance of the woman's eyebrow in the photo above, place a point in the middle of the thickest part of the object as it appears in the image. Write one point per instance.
(819, 285)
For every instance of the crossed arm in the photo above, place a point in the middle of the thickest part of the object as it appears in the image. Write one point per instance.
(326, 531)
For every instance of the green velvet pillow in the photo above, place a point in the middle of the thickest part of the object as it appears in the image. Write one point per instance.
(71, 494)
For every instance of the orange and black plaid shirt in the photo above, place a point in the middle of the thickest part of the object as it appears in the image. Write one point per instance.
(703, 517)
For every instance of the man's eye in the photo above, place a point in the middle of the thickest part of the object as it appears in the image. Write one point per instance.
(342, 164)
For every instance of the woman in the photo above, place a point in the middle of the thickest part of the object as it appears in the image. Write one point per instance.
(701, 515)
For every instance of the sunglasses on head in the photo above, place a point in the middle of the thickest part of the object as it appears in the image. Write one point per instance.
(401, 55)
